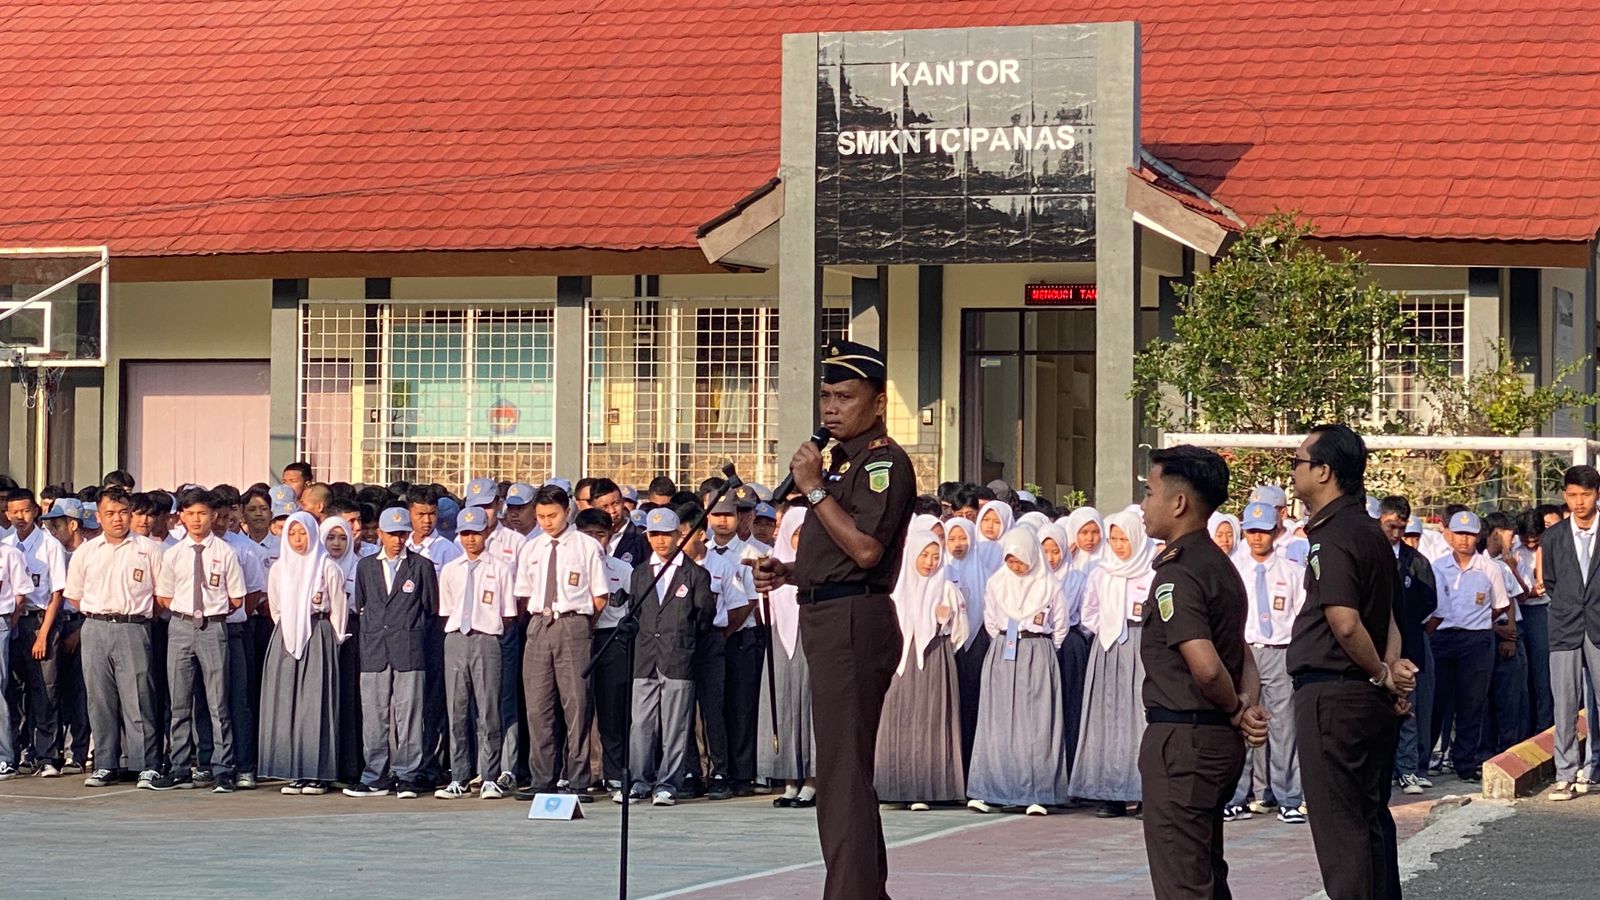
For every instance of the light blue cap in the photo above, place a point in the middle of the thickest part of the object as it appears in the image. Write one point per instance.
(480, 492)
(765, 511)
(562, 483)
(661, 519)
(1414, 525)
(637, 518)
(630, 494)
(1466, 522)
(1374, 507)
(1270, 494)
(1259, 516)
(448, 507)
(394, 520)
(473, 518)
(90, 520)
(281, 492)
(65, 508)
(284, 508)
(519, 494)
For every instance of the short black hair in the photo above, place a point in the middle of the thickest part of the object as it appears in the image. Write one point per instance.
(369, 513)
(1453, 508)
(304, 468)
(1550, 509)
(662, 486)
(581, 484)
(984, 494)
(118, 478)
(163, 502)
(256, 492)
(711, 486)
(1499, 520)
(946, 491)
(552, 495)
(965, 497)
(681, 498)
(197, 497)
(1586, 477)
(600, 487)
(342, 490)
(53, 492)
(142, 504)
(1530, 524)
(89, 494)
(227, 494)
(376, 495)
(7, 483)
(1345, 454)
(689, 511)
(21, 493)
(1395, 505)
(421, 495)
(115, 494)
(1201, 471)
(592, 518)
(927, 506)
(338, 507)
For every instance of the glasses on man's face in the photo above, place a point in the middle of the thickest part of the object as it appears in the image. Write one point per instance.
(1296, 462)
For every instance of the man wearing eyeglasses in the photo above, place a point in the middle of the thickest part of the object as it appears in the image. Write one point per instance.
(1350, 682)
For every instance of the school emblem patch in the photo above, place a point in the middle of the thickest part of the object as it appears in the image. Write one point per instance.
(1316, 562)
(1164, 602)
(878, 475)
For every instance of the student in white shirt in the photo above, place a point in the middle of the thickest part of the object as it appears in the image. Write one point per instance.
(15, 586)
(200, 583)
(68, 521)
(249, 637)
(1472, 593)
(477, 603)
(37, 630)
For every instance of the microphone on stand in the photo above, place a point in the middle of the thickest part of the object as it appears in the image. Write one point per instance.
(820, 437)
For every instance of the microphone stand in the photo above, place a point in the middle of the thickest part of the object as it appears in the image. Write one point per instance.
(626, 629)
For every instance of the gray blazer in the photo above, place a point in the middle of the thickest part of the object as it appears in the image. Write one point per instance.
(1574, 605)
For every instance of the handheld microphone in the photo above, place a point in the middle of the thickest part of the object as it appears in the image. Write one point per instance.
(820, 437)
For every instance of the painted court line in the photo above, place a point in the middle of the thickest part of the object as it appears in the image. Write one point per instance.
(783, 870)
(95, 796)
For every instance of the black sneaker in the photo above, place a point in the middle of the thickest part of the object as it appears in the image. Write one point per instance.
(405, 791)
(529, 792)
(718, 789)
(224, 785)
(743, 789)
(363, 790)
(583, 796)
(202, 777)
(168, 782)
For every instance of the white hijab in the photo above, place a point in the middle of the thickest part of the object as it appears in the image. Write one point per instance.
(1035, 520)
(1020, 597)
(989, 550)
(1217, 520)
(295, 582)
(347, 562)
(1068, 580)
(1084, 515)
(917, 597)
(968, 575)
(1114, 575)
(785, 601)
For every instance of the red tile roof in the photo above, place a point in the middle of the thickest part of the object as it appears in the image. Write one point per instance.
(168, 127)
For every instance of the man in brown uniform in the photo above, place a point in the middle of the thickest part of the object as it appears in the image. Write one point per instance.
(844, 569)
(1200, 687)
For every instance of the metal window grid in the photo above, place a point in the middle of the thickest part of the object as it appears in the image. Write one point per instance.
(1436, 329)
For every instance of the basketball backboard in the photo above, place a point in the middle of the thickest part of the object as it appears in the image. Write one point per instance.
(53, 306)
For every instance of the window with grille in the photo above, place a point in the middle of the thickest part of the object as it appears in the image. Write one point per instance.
(1436, 331)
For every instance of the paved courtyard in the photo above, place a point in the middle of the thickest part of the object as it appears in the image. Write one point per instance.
(194, 844)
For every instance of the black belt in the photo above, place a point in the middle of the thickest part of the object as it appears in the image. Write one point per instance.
(1159, 715)
(1322, 676)
(199, 621)
(31, 611)
(1024, 635)
(320, 616)
(825, 592)
(118, 619)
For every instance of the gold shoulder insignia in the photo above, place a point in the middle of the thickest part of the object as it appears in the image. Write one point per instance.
(1169, 554)
(878, 444)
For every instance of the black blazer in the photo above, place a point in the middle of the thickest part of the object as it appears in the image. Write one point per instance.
(668, 630)
(1574, 606)
(1418, 599)
(632, 549)
(395, 624)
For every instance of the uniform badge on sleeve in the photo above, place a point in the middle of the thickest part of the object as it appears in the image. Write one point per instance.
(1164, 602)
(878, 475)
(1316, 562)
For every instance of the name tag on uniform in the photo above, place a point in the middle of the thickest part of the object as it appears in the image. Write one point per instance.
(317, 600)
(1038, 619)
(572, 579)
(682, 591)
(1481, 598)
(1279, 604)
(35, 579)
(138, 575)
(1010, 652)
(215, 580)
(488, 598)
(1138, 609)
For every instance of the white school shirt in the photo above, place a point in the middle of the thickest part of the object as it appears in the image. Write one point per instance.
(757, 548)
(1525, 567)
(1051, 620)
(1089, 613)
(15, 582)
(47, 565)
(252, 565)
(224, 576)
(580, 572)
(503, 544)
(1468, 596)
(619, 576)
(731, 580)
(271, 546)
(664, 579)
(615, 541)
(115, 579)
(1286, 588)
(492, 600)
(1513, 589)
(436, 548)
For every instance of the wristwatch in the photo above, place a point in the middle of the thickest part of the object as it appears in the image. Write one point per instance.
(816, 495)
(1382, 676)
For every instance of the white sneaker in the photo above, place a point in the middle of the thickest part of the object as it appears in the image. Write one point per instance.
(979, 806)
(490, 791)
(618, 797)
(663, 798)
(920, 807)
(1424, 782)
(49, 771)
(1560, 791)
(1236, 814)
(455, 790)
(1037, 810)
(1410, 784)
(314, 787)
(100, 778)
(8, 771)
(147, 779)
(1583, 785)
(1261, 809)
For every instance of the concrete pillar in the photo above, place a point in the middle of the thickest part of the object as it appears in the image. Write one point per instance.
(1483, 317)
(572, 364)
(1116, 147)
(285, 364)
(799, 280)
(869, 310)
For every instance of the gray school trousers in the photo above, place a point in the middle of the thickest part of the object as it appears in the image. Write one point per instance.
(1566, 689)
(1276, 765)
(199, 653)
(391, 725)
(122, 694)
(663, 725)
(472, 675)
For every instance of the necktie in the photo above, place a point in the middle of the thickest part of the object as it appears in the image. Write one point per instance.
(470, 598)
(1263, 604)
(550, 580)
(393, 567)
(1584, 552)
(721, 550)
(661, 583)
(200, 583)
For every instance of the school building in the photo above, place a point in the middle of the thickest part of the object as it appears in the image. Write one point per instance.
(436, 240)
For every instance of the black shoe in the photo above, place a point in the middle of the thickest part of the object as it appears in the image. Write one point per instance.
(167, 782)
(803, 803)
(525, 794)
(743, 789)
(719, 789)
(363, 790)
(224, 785)
(784, 802)
(1112, 810)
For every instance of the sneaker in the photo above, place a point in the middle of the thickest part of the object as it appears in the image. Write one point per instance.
(1236, 813)
(1583, 785)
(920, 807)
(247, 781)
(1561, 791)
(8, 771)
(663, 798)
(314, 787)
(48, 771)
(455, 790)
(1114, 809)
(1410, 784)
(979, 806)
(100, 778)
(507, 783)
(718, 789)
(224, 785)
(565, 787)
(618, 798)
(26, 766)
(1261, 807)
(1423, 780)
(293, 788)
(405, 791)
(147, 779)
(1472, 776)
(169, 782)
(71, 767)
(1291, 817)
(490, 791)
(202, 777)
(1037, 810)
(364, 790)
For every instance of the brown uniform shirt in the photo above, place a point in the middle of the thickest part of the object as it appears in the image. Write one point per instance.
(1197, 595)
(1350, 564)
(871, 477)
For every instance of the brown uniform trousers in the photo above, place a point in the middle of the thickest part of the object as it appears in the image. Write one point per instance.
(852, 645)
(1189, 773)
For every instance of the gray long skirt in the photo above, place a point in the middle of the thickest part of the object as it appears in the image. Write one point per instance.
(919, 736)
(300, 708)
(795, 759)
(1112, 724)
(1019, 754)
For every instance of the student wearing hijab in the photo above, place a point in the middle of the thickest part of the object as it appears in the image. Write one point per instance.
(339, 540)
(919, 737)
(994, 520)
(1019, 754)
(1072, 657)
(1035, 520)
(300, 684)
(965, 569)
(1112, 720)
(793, 760)
(1086, 533)
(1225, 533)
